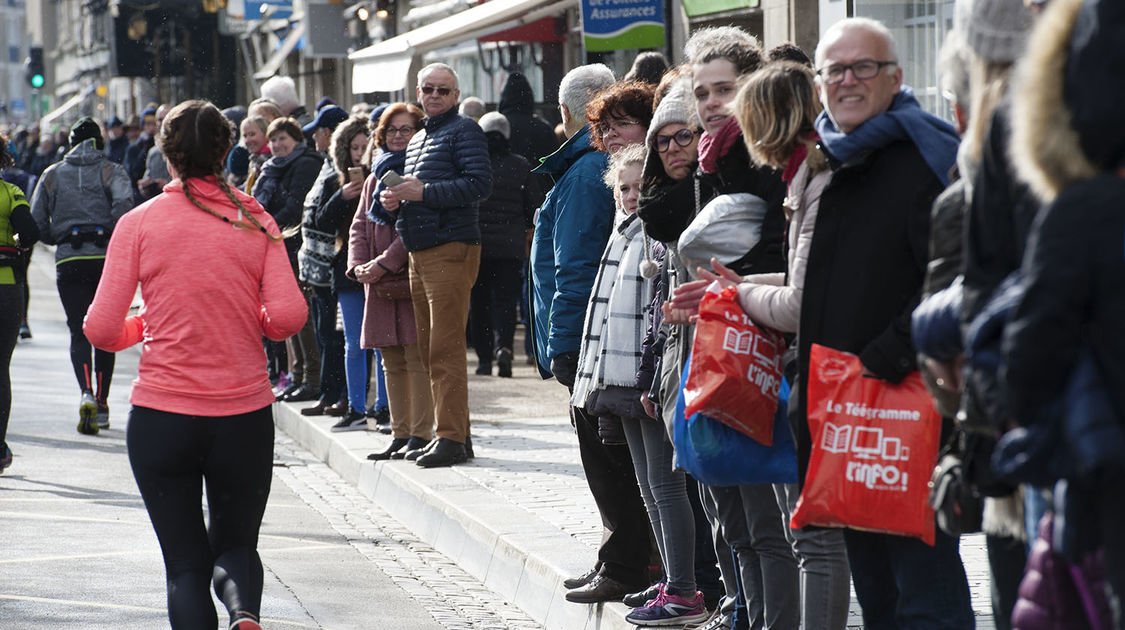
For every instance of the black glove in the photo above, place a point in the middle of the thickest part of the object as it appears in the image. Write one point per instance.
(565, 368)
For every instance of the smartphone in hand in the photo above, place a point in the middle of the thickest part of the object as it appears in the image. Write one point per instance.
(391, 178)
(355, 174)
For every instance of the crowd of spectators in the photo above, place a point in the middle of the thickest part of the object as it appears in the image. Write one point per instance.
(986, 254)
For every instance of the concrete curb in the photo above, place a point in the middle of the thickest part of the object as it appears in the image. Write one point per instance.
(511, 551)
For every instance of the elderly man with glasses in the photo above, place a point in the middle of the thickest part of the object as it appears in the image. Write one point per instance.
(866, 263)
(447, 175)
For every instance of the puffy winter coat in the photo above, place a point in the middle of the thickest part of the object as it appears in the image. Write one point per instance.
(85, 189)
(450, 156)
(571, 233)
(506, 215)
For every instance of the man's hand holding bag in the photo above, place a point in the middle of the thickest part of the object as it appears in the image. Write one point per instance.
(874, 448)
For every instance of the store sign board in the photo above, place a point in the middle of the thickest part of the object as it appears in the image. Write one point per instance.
(622, 24)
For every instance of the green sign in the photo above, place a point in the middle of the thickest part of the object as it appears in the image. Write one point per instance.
(622, 24)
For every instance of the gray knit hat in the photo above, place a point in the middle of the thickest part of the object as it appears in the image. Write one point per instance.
(495, 121)
(997, 29)
(677, 106)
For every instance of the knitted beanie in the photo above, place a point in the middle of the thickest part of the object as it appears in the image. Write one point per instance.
(677, 106)
(997, 29)
(85, 129)
(495, 121)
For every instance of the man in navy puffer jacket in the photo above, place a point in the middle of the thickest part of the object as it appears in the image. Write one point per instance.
(447, 174)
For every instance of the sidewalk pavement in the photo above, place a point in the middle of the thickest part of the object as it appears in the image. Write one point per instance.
(519, 517)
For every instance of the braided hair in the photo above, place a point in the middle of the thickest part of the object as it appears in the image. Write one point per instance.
(195, 139)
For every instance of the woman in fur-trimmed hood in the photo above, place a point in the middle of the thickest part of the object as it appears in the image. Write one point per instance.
(1069, 145)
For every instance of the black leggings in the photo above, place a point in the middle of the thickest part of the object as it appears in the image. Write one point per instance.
(78, 281)
(11, 313)
(172, 455)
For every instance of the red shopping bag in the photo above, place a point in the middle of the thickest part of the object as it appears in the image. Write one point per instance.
(735, 373)
(874, 447)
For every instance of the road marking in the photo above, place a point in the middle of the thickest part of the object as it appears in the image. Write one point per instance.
(81, 519)
(106, 554)
(71, 602)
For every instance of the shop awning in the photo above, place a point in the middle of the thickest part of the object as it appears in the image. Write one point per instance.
(273, 64)
(68, 105)
(383, 67)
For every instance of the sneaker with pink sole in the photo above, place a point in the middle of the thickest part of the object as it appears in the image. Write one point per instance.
(669, 609)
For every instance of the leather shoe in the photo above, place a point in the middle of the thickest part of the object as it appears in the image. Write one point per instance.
(396, 446)
(319, 409)
(414, 444)
(572, 583)
(445, 453)
(601, 589)
(304, 393)
(469, 447)
(337, 410)
(418, 452)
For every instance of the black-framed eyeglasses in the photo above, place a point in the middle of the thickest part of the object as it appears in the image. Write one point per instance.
(442, 91)
(862, 70)
(682, 138)
(400, 131)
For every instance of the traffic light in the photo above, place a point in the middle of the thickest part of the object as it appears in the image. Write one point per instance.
(33, 67)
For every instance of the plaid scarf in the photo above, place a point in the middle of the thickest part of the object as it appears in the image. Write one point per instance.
(614, 330)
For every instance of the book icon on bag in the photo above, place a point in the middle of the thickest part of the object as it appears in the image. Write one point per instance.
(737, 342)
(836, 439)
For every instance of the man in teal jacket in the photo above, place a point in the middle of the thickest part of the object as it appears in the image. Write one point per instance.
(571, 232)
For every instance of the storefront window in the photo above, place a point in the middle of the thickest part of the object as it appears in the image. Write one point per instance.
(919, 28)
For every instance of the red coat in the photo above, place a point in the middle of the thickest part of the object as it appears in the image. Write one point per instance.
(385, 322)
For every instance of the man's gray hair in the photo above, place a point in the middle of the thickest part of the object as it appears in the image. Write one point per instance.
(472, 107)
(440, 66)
(283, 91)
(581, 84)
(874, 27)
(954, 60)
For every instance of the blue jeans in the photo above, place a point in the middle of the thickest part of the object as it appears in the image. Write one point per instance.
(355, 361)
(664, 491)
(904, 584)
(331, 344)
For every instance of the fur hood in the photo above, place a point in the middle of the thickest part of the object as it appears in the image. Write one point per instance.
(1045, 148)
(342, 139)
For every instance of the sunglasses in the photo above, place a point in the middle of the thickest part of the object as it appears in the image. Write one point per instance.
(442, 91)
(682, 138)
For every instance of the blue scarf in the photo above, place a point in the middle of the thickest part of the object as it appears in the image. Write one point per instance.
(269, 181)
(387, 161)
(936, 139)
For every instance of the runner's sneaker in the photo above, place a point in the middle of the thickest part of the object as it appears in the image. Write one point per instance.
(87, 414)
(102, 419)
(5, 456)
(669, 610)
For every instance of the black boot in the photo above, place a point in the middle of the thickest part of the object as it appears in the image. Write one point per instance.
(396, 445)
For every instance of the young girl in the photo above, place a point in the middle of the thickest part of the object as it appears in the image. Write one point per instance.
(606, 387)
